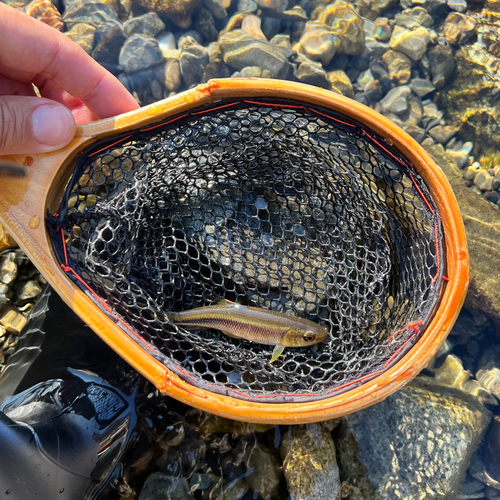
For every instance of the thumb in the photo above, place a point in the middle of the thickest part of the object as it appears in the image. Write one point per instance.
(34, 125)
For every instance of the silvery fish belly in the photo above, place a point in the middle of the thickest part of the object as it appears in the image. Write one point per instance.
(254, 324)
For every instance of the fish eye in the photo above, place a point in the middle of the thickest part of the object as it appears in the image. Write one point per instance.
(309, 336)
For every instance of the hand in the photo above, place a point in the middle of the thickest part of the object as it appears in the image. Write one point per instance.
(74, 88)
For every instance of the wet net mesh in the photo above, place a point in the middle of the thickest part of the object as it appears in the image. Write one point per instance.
(271, 204)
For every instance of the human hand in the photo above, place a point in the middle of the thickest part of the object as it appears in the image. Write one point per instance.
(74, 88)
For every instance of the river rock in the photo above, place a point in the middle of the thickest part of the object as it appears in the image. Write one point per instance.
(397, 448)
(312, 73)
(441, 63)
(458, 28)
(482, 225)
(309, 463)
(396, 100)
(252, 72)
(147, 85)
(251, 26)
(6, 240)
(83, 35)
(241, 50)
(216, 8)
(193, 60)
(177, 11)
(169, 73)
(92, 12)
(148, 24)
(371, 9)
(205, 25)
(159, 486)
(46, 12)
(347, 26)
(340, 83)
(443, 133)
(108, 41)
(140, 52)
(399, 66)
(317, 43)
(266, 473)
(413, 43)
(374, 47)
(421, 86)
(383, 30)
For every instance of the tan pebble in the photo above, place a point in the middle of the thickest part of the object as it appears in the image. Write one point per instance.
(6, 240)
(251, 26)
(12, 320)
(8, 268)
(46, 12)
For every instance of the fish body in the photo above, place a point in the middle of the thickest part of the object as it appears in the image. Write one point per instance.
(254, 324)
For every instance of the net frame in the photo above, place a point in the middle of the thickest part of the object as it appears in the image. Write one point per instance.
(374, 390)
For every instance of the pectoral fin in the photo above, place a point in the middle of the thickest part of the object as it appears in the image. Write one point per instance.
(277, 352)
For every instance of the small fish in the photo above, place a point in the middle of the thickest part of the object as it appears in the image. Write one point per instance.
(253, 323)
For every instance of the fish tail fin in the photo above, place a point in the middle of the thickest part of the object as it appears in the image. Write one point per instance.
(277, 352)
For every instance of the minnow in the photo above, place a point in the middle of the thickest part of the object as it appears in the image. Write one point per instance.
(253, 323)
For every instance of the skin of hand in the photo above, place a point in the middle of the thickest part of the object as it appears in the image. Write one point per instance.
(74, 88)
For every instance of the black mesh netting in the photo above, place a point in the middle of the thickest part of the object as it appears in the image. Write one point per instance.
(275, 205)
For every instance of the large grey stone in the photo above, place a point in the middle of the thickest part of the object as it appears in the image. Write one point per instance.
(417, 444)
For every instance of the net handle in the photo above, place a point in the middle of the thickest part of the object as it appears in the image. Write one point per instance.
(24, 203)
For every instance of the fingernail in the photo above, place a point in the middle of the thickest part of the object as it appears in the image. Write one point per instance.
(53, 124)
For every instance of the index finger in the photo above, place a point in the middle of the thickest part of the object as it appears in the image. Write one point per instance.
(35, 49)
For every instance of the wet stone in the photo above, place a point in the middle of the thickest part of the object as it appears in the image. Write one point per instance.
(252, 72)
(193, 60)
(418, 429)
(396, 100)
(6, 240)
(240, 50)
(177, 11)
(383, 30)
(459, 28)
(251, 26)
(309, 463)
(89, 12)
(399, 66)
(346, 25)
(108, 41)
(140, 52)
(312, 73)
(148, 24)
(12, 320)
(147, 86)
(46, 12)
(461, 156)
(8, 268)
(340, 83)
(413, 43)
(421, 86)
(169, 73)
(159, 486)
(216, 8)
(83, 35)
(457, 5)
(190, 34)
(205, 25)
(317, 43)
(266, 472)
(483, 181)
(247, 6)
(441, 64)
(443, 134)
(28, 290)
(212, 424)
